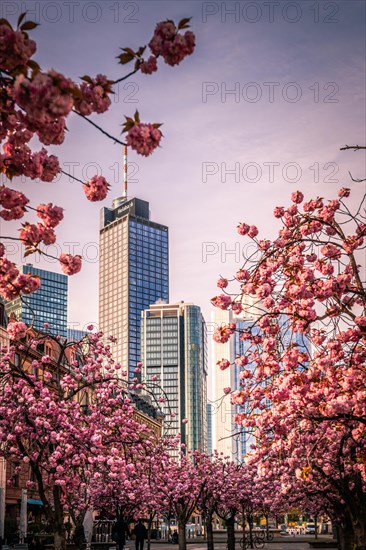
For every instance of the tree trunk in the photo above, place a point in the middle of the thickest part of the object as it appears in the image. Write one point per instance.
(59, 531)
(358, 521)
(316, 525)
(230, 533)
(209, 532)
(345, 534)
(360, 535)
(149, 525)
(59, 538)
(267, 527)
(250, 523)
(182, 536)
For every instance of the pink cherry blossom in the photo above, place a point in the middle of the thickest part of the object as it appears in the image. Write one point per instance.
(223, 301)
(94, 96)
(144, 138)
(96, 189)
(278, 212)
(243, 228)
(224, 364)
(16, 48)
(17, 330)
(253, 231)
(50, 215)
(344, 192)
(149, 66)
(222, 283)
(70, 264)
(171, 45)
(297, 197)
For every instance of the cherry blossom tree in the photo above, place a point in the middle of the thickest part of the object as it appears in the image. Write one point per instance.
(210, 469)
(304, 380)
(228, 502)
(129, 485)
(36, 103)
(66, 415)
(180, 489)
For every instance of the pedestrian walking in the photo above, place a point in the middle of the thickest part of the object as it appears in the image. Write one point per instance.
(120, 532)
(140, 532)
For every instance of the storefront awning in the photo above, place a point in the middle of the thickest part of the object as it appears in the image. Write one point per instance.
(35, 502)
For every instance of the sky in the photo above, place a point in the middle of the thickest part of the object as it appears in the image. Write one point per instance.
(261, 109)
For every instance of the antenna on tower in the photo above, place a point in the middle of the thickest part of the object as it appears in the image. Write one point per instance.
(125, 171)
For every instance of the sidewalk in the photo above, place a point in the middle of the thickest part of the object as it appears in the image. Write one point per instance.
(280, 543)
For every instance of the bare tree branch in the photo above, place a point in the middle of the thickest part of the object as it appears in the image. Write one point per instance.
(354, 147)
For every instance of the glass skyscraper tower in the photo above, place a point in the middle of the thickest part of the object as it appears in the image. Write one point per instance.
(174, 349)
(47, 305)
(133, 274)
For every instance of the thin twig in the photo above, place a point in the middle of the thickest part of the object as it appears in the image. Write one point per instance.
(354, 147)
(125, 77)
(73, 177)
(99, 128)
(354, 179)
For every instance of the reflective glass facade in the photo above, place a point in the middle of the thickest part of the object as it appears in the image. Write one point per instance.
(46, 305)
(133, 274)
(75, 335)
(173, 348)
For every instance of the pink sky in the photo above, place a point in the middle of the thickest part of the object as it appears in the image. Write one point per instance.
(313, 65)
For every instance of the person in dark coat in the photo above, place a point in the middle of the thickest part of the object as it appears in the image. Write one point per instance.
(140, 532)
(120, 532)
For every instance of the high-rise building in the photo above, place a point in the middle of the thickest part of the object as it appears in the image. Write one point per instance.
(174, 350)
(47, 305)
(133, 274)
(75, 335)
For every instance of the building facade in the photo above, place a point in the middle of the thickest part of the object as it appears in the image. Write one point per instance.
(209, 415)
(174, 353)
(133, 274)
(47, 305)
(223, 411)
(75, 335)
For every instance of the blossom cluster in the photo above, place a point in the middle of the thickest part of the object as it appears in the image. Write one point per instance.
(144, 138)
(172, 46)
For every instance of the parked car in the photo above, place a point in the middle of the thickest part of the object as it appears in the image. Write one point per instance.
(310, 529)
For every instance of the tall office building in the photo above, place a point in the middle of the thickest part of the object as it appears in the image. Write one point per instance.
(174, 349)
(47, 305)
(133, 274)
(75, 335)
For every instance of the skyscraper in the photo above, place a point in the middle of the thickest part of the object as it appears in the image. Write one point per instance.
(47, 305)
(133, 274)
(174, 349)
